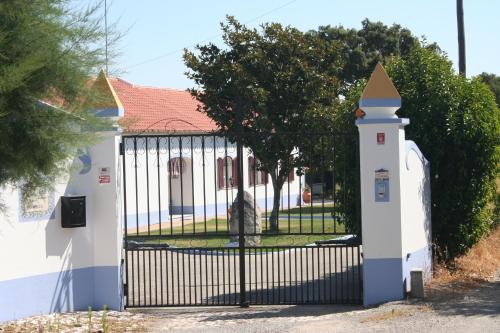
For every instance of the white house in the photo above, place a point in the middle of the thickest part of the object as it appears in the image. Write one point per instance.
(174, 167)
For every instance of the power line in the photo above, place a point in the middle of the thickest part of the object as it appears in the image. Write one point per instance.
(210, 38)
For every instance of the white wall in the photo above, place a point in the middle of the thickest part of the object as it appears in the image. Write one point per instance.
(63, 269)
(416, 226)
(396, 232)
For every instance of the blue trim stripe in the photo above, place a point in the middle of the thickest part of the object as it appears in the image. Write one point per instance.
(109, 112)
(68, 290)
(379, 102)
(402, 121)
(154, 217)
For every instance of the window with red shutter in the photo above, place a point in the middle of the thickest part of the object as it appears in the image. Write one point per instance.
(234, 173)
(265, 177)
(176, 166)
(255, 176)
(220, 172)
(251, 171)
(227, 172)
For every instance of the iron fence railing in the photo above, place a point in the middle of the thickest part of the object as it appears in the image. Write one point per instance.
(187, 241)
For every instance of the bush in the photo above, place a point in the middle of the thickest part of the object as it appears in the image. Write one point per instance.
(455, 122)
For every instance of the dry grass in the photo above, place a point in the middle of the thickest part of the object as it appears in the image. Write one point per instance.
(479, 264)
(396, 313)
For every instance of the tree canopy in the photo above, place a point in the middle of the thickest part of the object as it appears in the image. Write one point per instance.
(48, 51)
(267, 89)
(493, 82)
(362, 49)
(456, 124)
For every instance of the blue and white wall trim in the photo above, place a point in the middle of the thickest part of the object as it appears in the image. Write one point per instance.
(46, 268)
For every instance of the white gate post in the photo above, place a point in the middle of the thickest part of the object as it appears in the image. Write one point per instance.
(382, 154)
(106, 213)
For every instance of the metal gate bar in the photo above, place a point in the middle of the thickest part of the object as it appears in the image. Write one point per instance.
(275, 275)
(170, 256)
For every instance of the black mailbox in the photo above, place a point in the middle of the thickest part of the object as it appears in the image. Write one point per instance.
(73, 212)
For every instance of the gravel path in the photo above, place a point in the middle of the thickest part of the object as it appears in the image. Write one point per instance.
(451, 308)
(456, 308)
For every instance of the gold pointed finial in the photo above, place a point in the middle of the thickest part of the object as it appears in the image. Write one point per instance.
(380, 85)
(380, 98)
(107, 103)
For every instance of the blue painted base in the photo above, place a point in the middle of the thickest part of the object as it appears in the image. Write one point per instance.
(382, 280)
(387, 280)
(69, 290)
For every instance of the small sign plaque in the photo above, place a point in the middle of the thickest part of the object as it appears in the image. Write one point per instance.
(381, 138)
(104, 175)
(381, 185)
(382, 174)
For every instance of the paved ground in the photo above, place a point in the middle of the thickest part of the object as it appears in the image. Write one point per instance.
(447, 309)
(457, 308)
(297, 275)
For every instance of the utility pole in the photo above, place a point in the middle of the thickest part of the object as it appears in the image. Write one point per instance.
(461, 37)
(106, 32)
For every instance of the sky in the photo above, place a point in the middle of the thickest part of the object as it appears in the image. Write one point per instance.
(156, 31)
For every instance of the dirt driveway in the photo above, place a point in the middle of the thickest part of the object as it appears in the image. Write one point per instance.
(455, 308)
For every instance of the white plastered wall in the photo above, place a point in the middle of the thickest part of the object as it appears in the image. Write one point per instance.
(38, 246)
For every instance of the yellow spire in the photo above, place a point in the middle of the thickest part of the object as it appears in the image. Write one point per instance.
(108, 103)
(380, 85)
(380, 99)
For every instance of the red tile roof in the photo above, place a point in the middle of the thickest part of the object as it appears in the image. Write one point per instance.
(149, 109)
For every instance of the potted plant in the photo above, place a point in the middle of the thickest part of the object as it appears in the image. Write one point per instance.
(306, 194)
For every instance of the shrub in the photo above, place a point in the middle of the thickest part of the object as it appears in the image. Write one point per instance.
(455, 122)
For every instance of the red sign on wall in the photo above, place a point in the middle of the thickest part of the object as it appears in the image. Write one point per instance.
(104, 175)
(380, 138)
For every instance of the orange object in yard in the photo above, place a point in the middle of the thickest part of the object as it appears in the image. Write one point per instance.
(306, 196)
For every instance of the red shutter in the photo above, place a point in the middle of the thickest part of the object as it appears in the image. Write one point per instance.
(220, 172)
(265, 176)
(251, 173)
(291, 175)
(235, 172)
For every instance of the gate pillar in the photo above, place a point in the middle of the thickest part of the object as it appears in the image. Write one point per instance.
(382, 157)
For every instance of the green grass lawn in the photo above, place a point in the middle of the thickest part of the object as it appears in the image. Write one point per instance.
(212, 233)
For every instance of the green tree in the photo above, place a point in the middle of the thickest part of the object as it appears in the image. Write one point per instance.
(47, 53)
(362, 49)
(493, 81)
(268, 89)
(455, 122)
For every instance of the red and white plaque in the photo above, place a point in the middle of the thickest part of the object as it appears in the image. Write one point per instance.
(104, 175)
(381, 138)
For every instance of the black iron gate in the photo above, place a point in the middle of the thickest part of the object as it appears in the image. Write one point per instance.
(185, 243)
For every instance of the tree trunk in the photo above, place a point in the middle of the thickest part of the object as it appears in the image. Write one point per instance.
(461, 37)
(273, 219)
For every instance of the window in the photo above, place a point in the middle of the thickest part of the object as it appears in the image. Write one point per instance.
(256, 177)
(176, 166)
(227, 172)
(260, 177)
